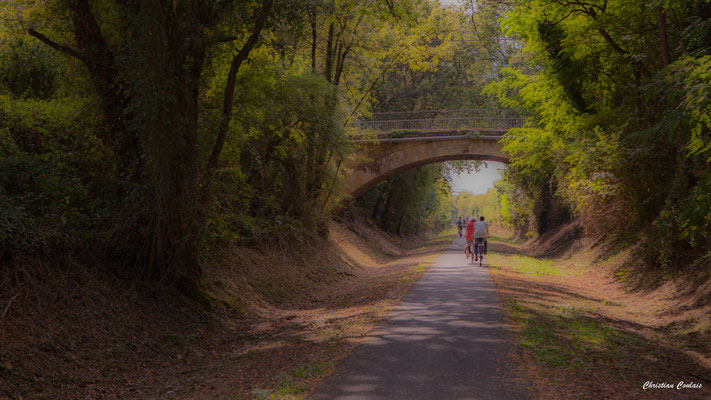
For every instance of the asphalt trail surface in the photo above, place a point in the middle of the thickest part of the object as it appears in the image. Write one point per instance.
(446, 339)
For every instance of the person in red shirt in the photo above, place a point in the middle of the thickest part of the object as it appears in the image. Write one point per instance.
(469, 235)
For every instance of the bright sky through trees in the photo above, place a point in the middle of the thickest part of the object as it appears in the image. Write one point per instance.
(478, 182)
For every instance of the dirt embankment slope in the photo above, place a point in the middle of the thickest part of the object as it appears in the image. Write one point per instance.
(282, 315)
(593, 327)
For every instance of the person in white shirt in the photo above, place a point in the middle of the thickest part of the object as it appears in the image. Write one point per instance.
(481, 232)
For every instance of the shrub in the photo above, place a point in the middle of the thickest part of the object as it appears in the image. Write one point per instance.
(28, 70)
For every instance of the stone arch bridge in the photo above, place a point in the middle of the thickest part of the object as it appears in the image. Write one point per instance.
(390, 143)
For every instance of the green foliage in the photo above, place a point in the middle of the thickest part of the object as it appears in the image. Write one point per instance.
(622, 120)
(449, 69)
(526, 265)
(414, 201)
(567, 69)
(691, 77)
(279, 162)
(35, 204)
(27, 69)
(618, 132)
(516, 207)
(291, 383)
(122, 148)
(474, 206)
(48, 156)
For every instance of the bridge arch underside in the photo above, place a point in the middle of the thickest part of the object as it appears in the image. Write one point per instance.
(385, 159)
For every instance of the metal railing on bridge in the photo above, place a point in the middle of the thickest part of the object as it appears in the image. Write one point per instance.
(493, 121)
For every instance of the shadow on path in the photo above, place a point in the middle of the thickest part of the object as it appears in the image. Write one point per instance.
(446, 339)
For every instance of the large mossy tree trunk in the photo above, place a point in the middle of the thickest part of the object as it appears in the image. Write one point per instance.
(171, 49)
(149, 87)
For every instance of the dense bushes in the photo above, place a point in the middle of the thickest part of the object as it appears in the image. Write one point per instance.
(52, 171)
(158, 129)
(280, 170)
(28, 69)
(475, 206)
(414, 201)
(624, 144)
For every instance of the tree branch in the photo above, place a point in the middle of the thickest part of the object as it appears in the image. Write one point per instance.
(228, 101)
(339, 65)
(617, 48)
(59, 47)
(224, 39)
(372, 85)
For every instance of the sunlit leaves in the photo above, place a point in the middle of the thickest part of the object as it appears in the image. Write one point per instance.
(692, 78)
(622, 124)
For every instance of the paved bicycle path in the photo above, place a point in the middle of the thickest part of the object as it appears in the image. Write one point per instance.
(446, 339)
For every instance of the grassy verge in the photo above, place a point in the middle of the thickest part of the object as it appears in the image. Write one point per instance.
(576, 347)
(525, 265)
(566, 338)
(508, 240)
(292, 384)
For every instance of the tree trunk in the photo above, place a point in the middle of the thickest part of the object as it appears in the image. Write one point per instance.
(164, 53)
(328, 70)
(339, 65)
(314, 37)
(399, 224)
(228, 101)
(378, 204)
(99, 60)
(170, 67)
(663, 36)
(384, 216)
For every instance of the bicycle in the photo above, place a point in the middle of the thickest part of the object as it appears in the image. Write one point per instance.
(480, 251)
(460, 230)
(479, 242)
(470, 252)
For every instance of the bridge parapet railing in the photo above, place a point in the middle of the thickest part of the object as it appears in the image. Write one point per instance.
(494, 120)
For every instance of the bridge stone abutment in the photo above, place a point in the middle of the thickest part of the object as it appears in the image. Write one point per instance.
(378, 160)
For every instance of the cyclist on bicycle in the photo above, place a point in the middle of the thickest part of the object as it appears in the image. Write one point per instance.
(460, 225)
(469, 235)
(481, 232)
